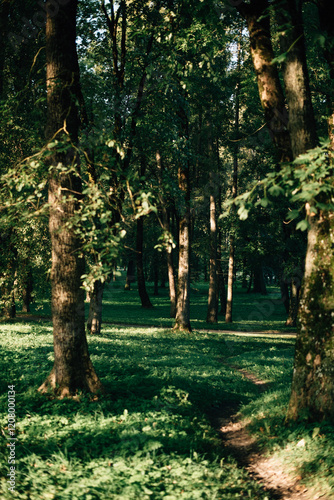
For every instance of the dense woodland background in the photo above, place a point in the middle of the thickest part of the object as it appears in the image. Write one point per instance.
(182, 141)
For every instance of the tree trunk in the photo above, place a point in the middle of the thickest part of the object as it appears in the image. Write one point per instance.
(294, 302)
(9, 258)
(130, 275)
(221, 279)
(156, 276)
(27, 291)
(229, 301)
(301, 124)
(169, 246)
(312, 392)
(212, 298)
(212, 313)
(259, 283)
(94, 321)
(270, 89)
(228, 315)
(145, 300)
(73, 369)
(182, 318)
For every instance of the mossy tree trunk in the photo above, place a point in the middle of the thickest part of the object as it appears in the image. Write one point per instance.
(312, 392)
(73, 369)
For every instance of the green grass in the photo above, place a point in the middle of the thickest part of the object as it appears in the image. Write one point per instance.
(149, 436)
(251, 312)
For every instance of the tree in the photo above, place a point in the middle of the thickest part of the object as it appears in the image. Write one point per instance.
(312, 389)
(73, 369)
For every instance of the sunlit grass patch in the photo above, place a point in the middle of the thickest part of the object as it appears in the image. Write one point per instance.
(148, 437)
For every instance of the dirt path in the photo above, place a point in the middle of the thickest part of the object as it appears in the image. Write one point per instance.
(269, 472)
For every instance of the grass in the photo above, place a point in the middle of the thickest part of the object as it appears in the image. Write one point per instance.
(149, 436)
(251, 312)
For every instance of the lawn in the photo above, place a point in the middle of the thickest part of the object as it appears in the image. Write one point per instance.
(149, 436)
(251, 312)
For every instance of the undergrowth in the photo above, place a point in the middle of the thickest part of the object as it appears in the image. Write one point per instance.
(148, 437)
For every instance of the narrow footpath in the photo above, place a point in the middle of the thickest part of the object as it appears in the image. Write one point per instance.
(269, 472)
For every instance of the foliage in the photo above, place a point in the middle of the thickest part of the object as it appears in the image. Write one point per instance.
(307, 180)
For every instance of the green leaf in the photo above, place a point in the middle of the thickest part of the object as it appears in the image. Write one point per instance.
(303, 225)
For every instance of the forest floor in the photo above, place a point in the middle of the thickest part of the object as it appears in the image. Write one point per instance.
(269, 472)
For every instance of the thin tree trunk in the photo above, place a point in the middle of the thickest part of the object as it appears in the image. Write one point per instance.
(212, 313)
(27, 291)
(94, 321)
(156, 276)
(229, 302)
(130, 275)
(294, 302)
(169, 246)
(73, 369)
(145, 300)
(182, 318)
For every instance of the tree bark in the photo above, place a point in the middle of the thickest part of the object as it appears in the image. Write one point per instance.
(312, 392)
(259, 283)
(145, 300)
(270, 89)
(212, 314)
(27, 291)
(73, 369)
(301, 124)
(229, 301)
(94, 321)
(182, 318)
(169, 246)
(130, 275)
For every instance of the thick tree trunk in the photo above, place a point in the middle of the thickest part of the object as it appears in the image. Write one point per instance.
(270, 89)
(312, 393)
(94, 321)
(301, 124)
(145, 300)
(72, 370)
